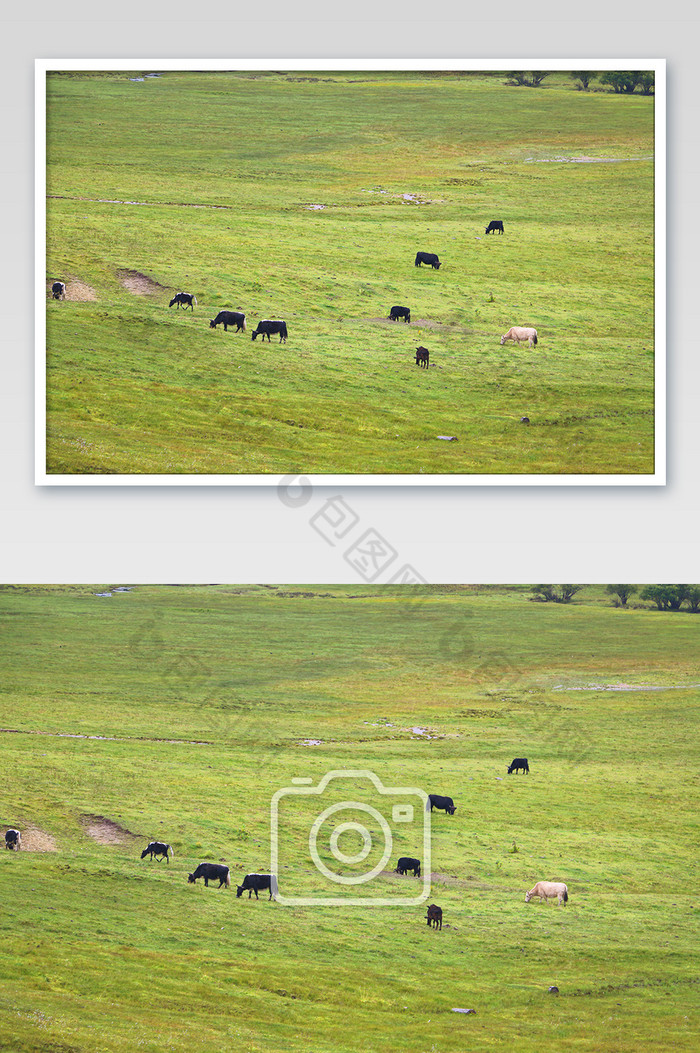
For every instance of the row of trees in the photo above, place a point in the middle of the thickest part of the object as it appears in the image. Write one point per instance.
(664, 597)
(622, 82)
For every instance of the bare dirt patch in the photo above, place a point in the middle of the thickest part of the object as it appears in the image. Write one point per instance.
(139, 284)
(35, 840)
(106, 831)
(77, 290)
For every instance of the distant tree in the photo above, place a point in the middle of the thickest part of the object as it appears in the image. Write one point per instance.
(549, 593)
(621, 81)
(544, 593)
(654, 593)
(646, 82)
(666, 597)
(583, 78)
(693, 598)
(623, 592)
(520, 78)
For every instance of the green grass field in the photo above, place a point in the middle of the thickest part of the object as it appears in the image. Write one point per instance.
(204, 182)
(176, 712)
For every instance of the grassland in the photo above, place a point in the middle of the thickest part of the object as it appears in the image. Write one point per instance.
(177, 712)
(205, 182)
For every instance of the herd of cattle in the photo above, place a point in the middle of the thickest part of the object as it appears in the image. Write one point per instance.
(255, 883)
(271, 326)
(264, 328)
(215, 872)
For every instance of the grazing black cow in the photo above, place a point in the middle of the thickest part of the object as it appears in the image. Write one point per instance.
(446, 804)
(519, 763)
(157, 848)
(227, 318)
(422, 357)
(58, 290)
(400, 312)
(211, 872)
(427, 257)
(256, 883)
(406, 863)
(13, 840)
(275, 326)
(184, 298)
(495, 224)
(434, 916)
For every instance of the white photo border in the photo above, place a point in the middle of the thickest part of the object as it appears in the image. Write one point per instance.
(658, 66)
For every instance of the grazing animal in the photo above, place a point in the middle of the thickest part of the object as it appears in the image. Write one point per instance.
(495, 224)
(227, 318)
(400, 312)
(422, 357)
(547, 890)
(429, 258)
(444, 803)
(434, 916)
(520, 763)
(157, 848)
(58, 290)
(518, 333)
(275, 326)
(184, 298)
(257, 882)
(13, 840)
(406, 863)
(211, 872)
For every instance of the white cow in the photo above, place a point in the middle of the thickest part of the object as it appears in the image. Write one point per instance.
(518, 333)
(547, 890)
(13, 840)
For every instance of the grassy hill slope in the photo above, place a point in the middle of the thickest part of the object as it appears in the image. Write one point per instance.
(213, 183)
(176, 713)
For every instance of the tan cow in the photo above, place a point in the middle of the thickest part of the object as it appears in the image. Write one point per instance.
(547, 890)
(518, 333)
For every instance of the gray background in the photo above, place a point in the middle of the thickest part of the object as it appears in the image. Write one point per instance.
(102, 533)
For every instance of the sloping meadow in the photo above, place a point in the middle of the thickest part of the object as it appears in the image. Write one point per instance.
(307, 197)
(175, 714)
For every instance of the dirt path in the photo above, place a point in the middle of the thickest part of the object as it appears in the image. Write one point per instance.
(107, 738)
(628, 687)
(151, 204)
(417, 323)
